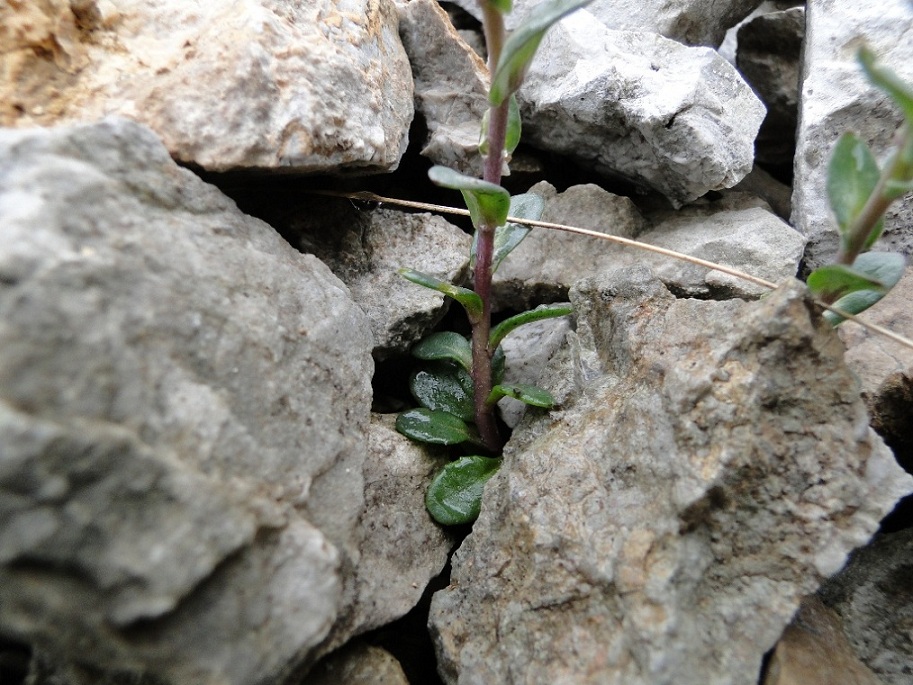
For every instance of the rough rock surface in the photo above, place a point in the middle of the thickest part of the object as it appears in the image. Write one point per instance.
(544, 266)
(182, 431)
(401, 547)
(676, 119)
(692, 22)
(872, 595)
(366, 247)
(451, 85)
(737, 230)
(715, 466)
(836, 97)
(321, 85)
(769, 48)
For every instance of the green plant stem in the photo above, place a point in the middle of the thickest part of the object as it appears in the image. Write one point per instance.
(873, 210)
(486, 423)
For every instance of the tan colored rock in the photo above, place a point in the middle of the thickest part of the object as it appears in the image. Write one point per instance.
(311, 85)
(814, 651)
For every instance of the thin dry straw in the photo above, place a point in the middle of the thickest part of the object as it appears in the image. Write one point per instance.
(371, 197)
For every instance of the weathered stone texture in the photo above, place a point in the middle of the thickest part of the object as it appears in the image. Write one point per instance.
(322, 85)
(675, 119)
(709, 463)
(182, 429)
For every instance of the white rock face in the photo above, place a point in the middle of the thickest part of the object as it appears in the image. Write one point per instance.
(693, 22)
(676, 119)
(322, 85)
(835, 98)
(708, 464)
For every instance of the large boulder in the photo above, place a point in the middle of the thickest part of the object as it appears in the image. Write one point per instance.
(835, 98)
(665, 116)
(708, 464)
(184, 401)
(312, 86)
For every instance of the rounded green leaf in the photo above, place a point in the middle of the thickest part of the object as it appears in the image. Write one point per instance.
(521, 47)
(885, 268)
(852, 175)
(445, 345)
(444, 387)
(528, 394)
(436, 427)
(836, 280)
(487, 203)
(455, 495)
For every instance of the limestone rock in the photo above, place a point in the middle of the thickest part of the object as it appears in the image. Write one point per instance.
(872, 596)
(737, 230)
(401, 547)
(708, 465)
(692, 22)
(451, 85)
(321, 85)
(543, 267)
(769, 48)
(365, 248)
(836, 98)
(676, 119)
(182, 427)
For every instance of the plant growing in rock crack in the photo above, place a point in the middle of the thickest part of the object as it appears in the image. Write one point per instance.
(860, 193)
(460, 385)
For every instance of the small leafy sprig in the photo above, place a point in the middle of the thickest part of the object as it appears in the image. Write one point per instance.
(461, 381)
(860, 193)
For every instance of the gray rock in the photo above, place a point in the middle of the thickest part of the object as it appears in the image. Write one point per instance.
(676, 119)
(312, 86)
(182, 427)
(365, 248)
(451, 85)
(692, 22)
(769, 48)
(544, 266)
(401, 547)
(776, 194)
(836, 98)
(737, 230)
(872, 595)
(709, 464)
